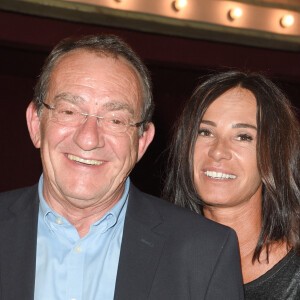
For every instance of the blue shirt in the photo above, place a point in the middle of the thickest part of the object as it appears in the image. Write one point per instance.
(72, 268)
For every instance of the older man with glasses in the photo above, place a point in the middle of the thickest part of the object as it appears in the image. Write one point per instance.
(84, 232)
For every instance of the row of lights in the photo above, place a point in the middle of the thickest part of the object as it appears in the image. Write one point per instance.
(285, 21)
(234, 14)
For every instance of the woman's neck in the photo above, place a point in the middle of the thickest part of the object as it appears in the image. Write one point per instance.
(246, 220)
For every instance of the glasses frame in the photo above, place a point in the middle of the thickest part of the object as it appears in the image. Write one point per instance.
(138, 124)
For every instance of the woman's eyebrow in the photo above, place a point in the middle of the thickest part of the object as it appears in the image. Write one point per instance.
(243, 125)
(209, 123)
(235, 125)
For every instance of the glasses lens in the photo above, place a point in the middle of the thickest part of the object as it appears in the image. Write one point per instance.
(67, 113)
(115, 121)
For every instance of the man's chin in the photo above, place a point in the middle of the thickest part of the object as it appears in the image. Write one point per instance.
(81, 200)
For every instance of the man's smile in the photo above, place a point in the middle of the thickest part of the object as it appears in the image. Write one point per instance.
(84, 161)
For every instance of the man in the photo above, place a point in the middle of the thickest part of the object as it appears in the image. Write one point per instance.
(85, 232)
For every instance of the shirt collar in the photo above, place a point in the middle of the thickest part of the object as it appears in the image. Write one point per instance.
(104, 223)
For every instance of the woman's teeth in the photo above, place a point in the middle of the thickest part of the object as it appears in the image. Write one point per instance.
(219, 175)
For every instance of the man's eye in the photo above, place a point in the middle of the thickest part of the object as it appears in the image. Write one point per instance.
(116, 121)
(244, 138)
(68, 112)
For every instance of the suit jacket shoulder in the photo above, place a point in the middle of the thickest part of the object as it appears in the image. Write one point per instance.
(174, 219)
(18, 234)
(16, 201)
(171, 253)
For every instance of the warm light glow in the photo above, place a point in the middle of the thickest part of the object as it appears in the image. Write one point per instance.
(235, 13)
(287, 21)
(179, 4)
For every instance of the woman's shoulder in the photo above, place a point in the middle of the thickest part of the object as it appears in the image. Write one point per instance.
(280, 282)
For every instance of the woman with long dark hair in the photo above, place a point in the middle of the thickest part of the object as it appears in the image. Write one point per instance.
(235, 158)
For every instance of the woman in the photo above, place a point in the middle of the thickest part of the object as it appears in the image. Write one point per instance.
(235, 159)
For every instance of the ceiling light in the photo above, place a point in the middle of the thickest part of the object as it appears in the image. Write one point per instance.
(287, 21)
(179, 4)
(235, 13)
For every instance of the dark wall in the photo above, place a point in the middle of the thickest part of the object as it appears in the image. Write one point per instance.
(175, 64)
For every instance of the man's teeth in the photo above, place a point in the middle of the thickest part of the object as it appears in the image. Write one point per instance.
(85, 161)
(219, 175)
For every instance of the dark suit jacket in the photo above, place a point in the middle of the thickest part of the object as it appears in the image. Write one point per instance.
(167, 253)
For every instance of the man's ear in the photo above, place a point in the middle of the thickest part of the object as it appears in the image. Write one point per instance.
(145, 140)
(33, 124)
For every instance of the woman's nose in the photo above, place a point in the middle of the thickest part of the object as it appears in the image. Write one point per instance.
(220, 149)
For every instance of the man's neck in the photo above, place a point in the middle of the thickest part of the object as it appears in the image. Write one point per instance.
(81, 216)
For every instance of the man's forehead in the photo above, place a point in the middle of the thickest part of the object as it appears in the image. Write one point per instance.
(65, 67)
(79, 58)
(79, 53)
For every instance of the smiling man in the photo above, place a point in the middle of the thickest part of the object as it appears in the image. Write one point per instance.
(85, 232)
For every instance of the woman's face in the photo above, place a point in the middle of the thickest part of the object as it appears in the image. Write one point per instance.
(225, 165)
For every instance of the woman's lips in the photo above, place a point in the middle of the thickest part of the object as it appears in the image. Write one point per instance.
(219, 175)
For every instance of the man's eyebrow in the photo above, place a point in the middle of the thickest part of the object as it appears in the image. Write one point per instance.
(243, 125)
(111, 106)
(69, 97)
(235, 125)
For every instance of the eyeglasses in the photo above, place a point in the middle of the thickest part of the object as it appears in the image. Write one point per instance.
(112, 121)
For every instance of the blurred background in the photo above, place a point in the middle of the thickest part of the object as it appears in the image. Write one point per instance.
(180, 42)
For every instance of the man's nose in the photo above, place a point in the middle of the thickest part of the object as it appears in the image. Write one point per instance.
(89, 135)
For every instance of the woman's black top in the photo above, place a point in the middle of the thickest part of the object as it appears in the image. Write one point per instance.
(280, 283)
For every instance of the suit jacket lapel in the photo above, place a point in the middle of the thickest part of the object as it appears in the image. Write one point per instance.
(18, 234)
(141, 248)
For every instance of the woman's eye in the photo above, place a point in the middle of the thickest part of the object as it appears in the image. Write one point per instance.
(244, 138)
(204, 132)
